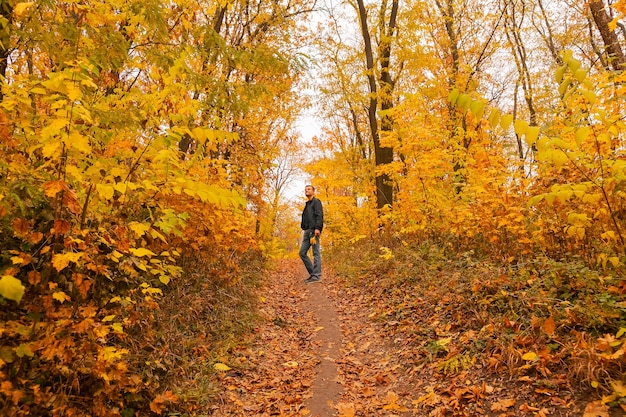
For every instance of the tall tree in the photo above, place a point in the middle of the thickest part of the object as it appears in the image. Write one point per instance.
(6, 18)
(381, 91)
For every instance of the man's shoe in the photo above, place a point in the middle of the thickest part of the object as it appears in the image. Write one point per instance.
(312, 280)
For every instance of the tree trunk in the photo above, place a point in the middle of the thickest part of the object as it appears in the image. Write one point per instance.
(6, 12)
(382, 155)
(513, 25)
(611, 43)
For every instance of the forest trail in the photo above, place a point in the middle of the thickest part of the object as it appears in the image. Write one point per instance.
(315, 354)
(326, 350)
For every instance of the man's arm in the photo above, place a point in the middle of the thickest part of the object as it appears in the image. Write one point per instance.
(318, 213)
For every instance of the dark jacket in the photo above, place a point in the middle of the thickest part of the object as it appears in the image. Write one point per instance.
(312, 215)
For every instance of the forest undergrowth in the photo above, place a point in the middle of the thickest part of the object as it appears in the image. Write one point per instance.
(538, 337)
(425, 331)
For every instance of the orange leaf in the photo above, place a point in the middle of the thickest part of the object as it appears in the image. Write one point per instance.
(20, 227)
(72, 204)
(51, 188)
(158, 404)
(35, 237)
(346, 410)
(60, 227)
(62, 260)
(502, 405)
(596, 409)
(549, 326)
(392, 402)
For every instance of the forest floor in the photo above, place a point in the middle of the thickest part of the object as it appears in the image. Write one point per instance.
(322, 350)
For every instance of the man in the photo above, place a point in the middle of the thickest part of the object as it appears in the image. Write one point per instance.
(312, 225)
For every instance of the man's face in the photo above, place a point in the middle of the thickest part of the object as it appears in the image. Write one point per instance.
(308, 191)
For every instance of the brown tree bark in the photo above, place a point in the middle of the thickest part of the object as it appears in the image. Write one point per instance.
(513, 25)
(616, 60)
(6, 12)
(383, 155)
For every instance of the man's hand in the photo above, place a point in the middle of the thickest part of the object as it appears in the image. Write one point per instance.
(317, 232)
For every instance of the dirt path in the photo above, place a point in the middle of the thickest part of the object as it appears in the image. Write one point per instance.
(315, 354)
(326, 387)
(289, 369)
(331, 350)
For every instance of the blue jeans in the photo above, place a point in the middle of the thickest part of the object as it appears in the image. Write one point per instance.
(314, 268)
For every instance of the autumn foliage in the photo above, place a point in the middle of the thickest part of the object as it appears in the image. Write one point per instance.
(132, 139)
(144, 147)
(508, 154)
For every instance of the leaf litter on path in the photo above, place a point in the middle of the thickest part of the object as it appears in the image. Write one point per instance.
(379, 364)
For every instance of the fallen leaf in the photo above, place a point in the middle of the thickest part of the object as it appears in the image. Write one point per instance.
(221, 367)
(392, 402)
(596, 409)
(502, 405)
(527, 408)
(346, 410)
(549, 326)
(619, 388)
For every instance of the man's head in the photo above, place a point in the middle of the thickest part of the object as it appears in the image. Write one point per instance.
(309, 191)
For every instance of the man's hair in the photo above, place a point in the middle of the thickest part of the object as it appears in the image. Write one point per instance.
(309, 185)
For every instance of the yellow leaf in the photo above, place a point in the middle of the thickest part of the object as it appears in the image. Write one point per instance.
(506, 121)
(580, 74)
(494, 117)
(589, 95)
(521, 126)
(582, 134)
(164, 279)
(79, 142)
(51, 149)
(221, 367)
(21, 8)
(531, 135)
(619, 388)
(139, 228)
(61, 297)
(11, 288)
(24, 350)
(105, 191)
(530, 356)
(117, 327)
(453, 95)
(573, 64)
(564, 84)
(464, 101)
(291, 364)
(62, 260)
(121, 187)
(560, 72)
(141, 252)
(73, 92)
(478, 108)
